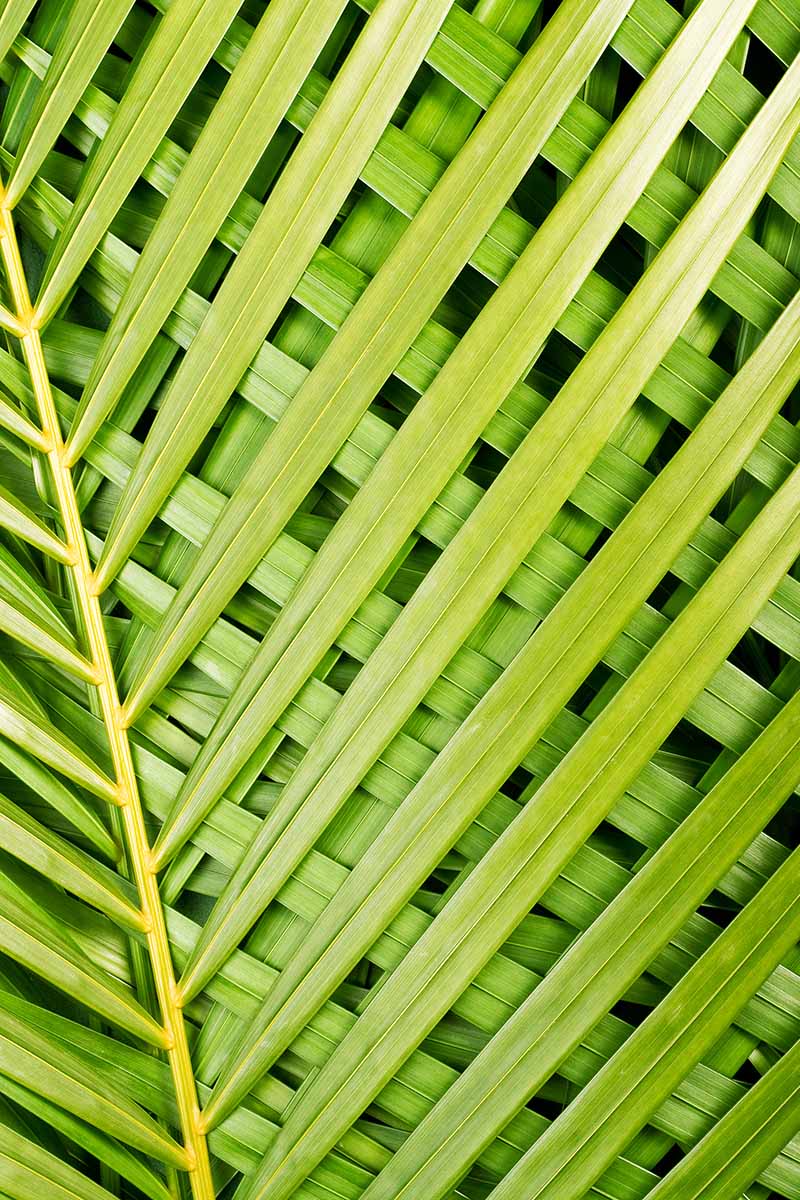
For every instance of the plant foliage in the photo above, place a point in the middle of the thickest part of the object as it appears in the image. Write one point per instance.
(400, 677)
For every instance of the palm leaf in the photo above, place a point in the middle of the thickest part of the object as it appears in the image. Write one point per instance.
(399, 518)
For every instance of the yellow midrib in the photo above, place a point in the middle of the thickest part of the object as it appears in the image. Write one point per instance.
(175, 1040)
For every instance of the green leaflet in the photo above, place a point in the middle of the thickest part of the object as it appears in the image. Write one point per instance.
(382, 325)
(24, 1167)
(432, 411)
(34, 844)
(126, 1163)
(291, 224)
(743, 1143)
(32, 938)
(616, 584)
(183, 43)
(17, 423)
(264, 82)
(54, 1072)
(18, 518)
(45, 742)
(528, 856)
(594, 971)
(9, 322)
(53, 791)
(27, 613)
(501, 529)
(12, 19)
(20, 623)
(86, 38)
(21, 588)
(619, 1098)
(446, 423)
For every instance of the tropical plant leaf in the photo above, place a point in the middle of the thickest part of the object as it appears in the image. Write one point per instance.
(25, 1167)
(264, 82)
(32, 938)
(400, 621)
(521, 491)
(744, 1141)
(17, 518)
(87, 34)
(166, 72)
(442, 413)
(306, 198)
(58, 1074)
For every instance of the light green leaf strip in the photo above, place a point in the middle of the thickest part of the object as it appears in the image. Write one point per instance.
(54, 858)
(21, 623)
(14, 15)
(610, 755)
(17, 423)
(18, 518)
(10, 323)
(53, 791)
(393, 309)
(254, 385)
(617, 1102)
(264, 82)
(51, 1070)
(743, 1143)
(444, 119)
(526, 495)
(300, 208)
(26, 1169)
(32, 939)
(555, 661)
(19, 585)
(45, 742)
(20, 693)
(87, 35)
(592, 975)
(168, 69)
(130, 1166)
(433, 441)
(535, 847)
(245, 977)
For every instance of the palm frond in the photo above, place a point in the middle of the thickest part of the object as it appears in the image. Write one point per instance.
(399, 519)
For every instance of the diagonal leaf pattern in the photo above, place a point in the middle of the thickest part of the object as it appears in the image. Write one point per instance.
(399, 617)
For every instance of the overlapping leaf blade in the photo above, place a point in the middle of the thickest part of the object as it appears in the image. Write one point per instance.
(434, 449)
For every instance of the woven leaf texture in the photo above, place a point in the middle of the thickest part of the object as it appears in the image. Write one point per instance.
(399, 609)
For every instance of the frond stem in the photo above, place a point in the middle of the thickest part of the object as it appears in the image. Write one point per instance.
(175, 1038)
